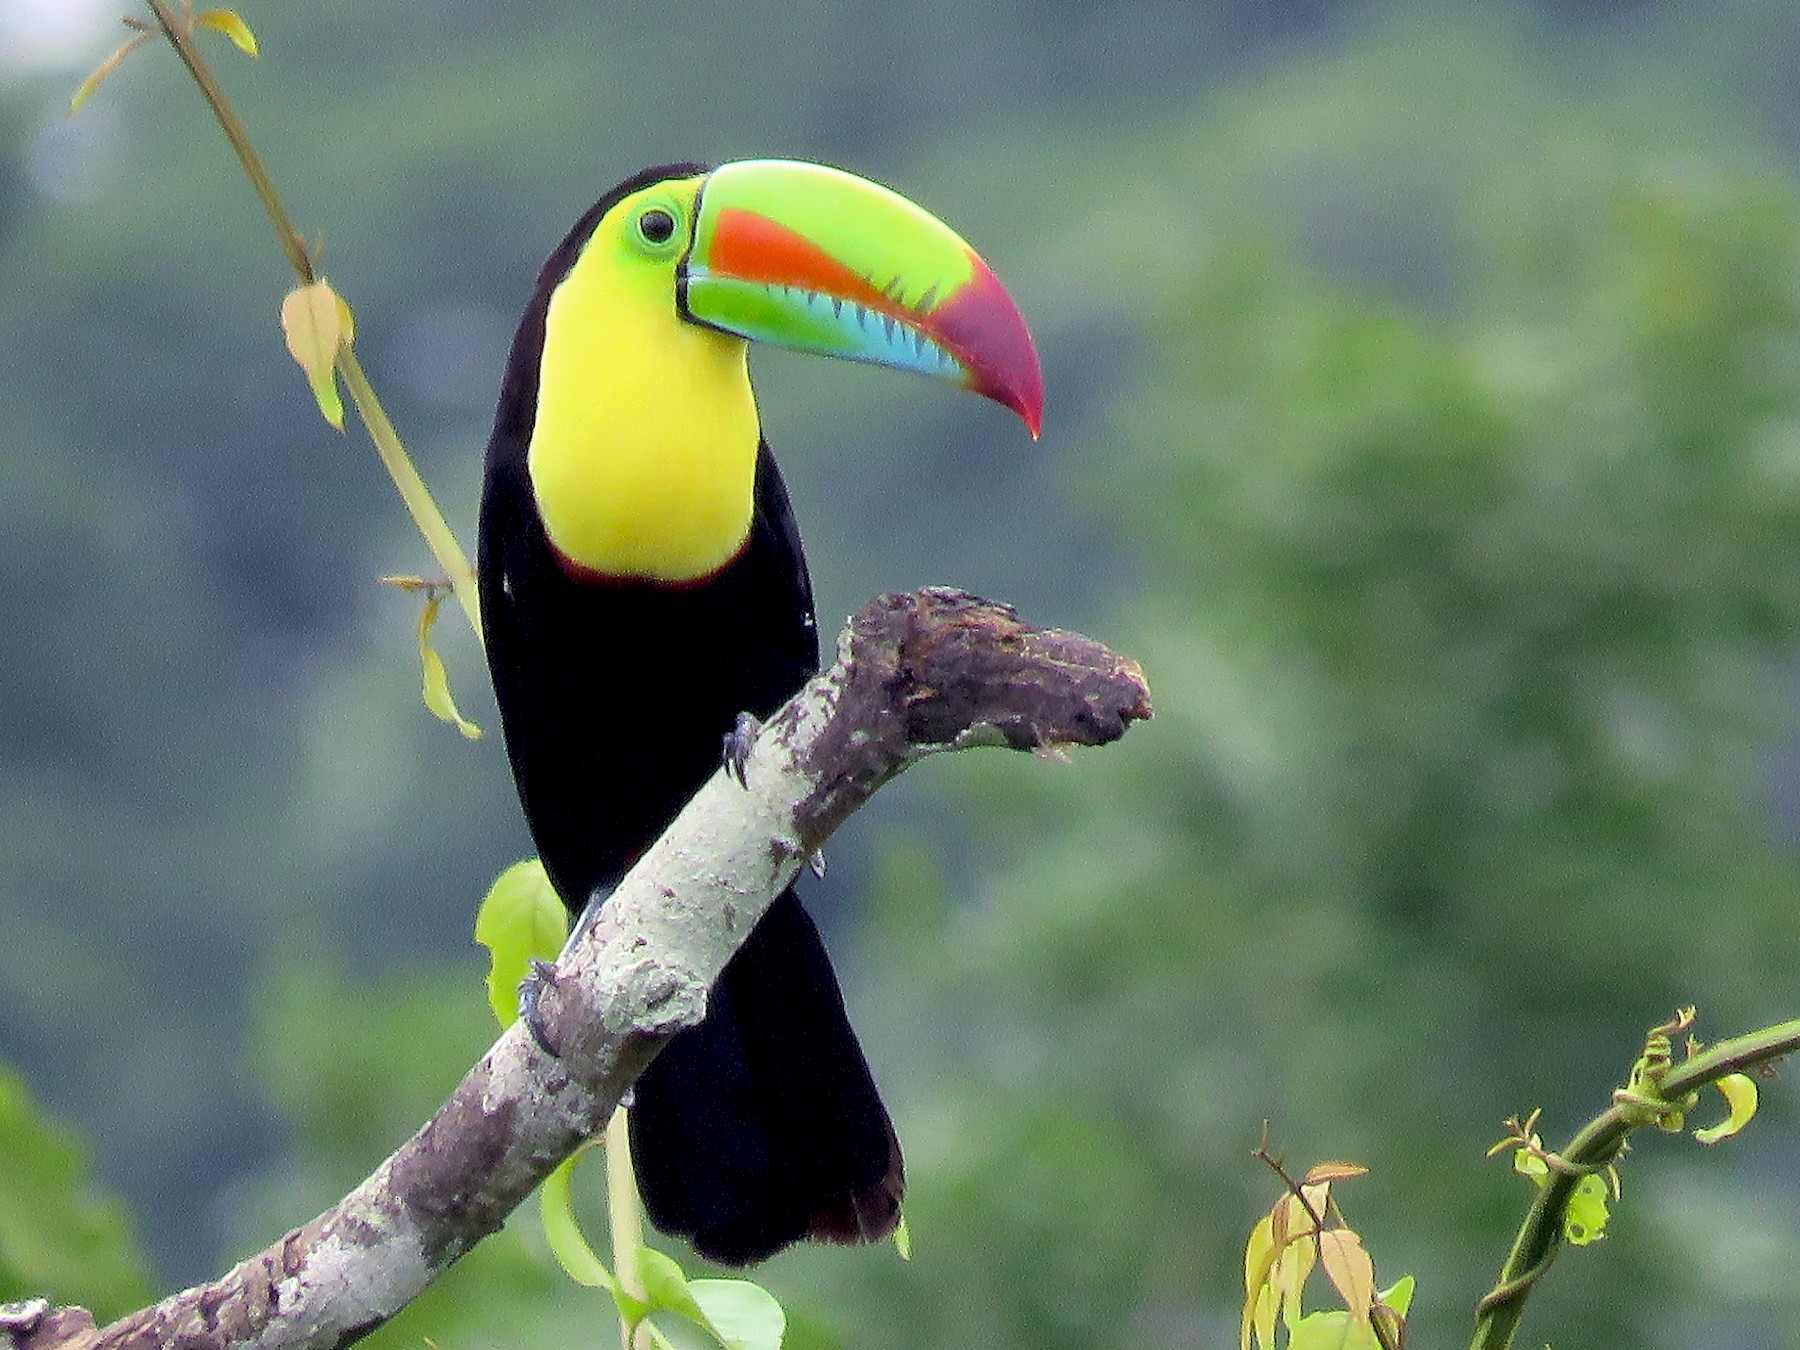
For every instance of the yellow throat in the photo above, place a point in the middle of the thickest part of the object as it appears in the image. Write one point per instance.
(643, 455)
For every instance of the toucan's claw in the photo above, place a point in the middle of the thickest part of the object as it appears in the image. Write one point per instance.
(816, 861)
(738, 743)
(531, 990)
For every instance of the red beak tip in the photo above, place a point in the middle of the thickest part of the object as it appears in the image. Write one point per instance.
(1031, 408)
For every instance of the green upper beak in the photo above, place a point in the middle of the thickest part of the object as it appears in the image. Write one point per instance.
(817, 259)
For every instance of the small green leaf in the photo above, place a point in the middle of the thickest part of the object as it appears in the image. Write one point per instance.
(226, 21)
(563, 1231)
(665, 1287)
(316, 324)
(1585, 1220)
(1399, 1294)
(742, 1315)
(521, 917)
(903, 1239)
(735, 1313)
(1740, 1098)
(1528, 1164)
(1334, 1330)
(105, 68)
(437, 679)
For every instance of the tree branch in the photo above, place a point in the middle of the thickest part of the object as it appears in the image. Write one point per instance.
(915, 674)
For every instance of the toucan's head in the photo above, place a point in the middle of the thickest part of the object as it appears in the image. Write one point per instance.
(646, 428)
(805, 256)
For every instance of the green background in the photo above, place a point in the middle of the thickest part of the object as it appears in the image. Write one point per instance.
(1423, 408)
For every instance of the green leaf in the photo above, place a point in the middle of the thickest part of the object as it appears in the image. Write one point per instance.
(521, 917)
(226, 21)
(744, 1316)
(665, 1287)
(437, 679)
(735, 1313)
(563, 1231)
(1585, 1220)
(1334, 1330)
(101, 71)
(903, 1239)
(316, 324)
(1528, 1164)
(1399, 1294)
(1740, 1098)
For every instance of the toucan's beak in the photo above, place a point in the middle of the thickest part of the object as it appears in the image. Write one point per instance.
(820, 260)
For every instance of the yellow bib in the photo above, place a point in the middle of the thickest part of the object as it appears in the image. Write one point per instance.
(643, 456)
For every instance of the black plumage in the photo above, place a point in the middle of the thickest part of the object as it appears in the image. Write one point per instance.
(763, 1125)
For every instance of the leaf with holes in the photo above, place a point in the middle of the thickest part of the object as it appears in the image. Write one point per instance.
(1585, 1219)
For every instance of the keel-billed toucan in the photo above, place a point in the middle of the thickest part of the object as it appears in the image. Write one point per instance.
(642, 584)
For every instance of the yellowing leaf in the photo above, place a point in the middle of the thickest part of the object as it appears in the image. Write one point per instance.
(1256, 1329)
(1333, 1171)
(1349, 1268)
(1740, 1098)
(903, 1239)
(226, 21)
(520, 918)
(101, 71)
(1316, 1196)
(316, 323)
(1256, 1325)
(567, 1242)
(1292, 1266)
(437, 679)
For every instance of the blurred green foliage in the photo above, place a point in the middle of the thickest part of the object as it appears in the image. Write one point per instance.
(56, 1230)
(1470, 641)
(1425, 412)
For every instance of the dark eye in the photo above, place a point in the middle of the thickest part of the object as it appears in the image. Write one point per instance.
(657, 225)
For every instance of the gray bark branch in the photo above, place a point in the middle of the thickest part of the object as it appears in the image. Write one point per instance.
(915, 674)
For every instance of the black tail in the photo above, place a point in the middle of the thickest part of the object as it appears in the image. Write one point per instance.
(762, 1125)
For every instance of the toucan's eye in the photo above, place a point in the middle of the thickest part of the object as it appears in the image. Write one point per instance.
(656, 225)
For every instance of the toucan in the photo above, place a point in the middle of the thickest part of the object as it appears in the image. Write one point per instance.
(642, 586)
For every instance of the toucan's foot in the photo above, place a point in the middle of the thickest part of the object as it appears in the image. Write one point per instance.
(816, 861)
(531, 989)
(738, 742)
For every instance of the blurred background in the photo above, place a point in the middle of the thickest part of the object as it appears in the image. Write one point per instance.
(1424, 410)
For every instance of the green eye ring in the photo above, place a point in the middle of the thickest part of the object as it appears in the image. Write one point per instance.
(655, 227)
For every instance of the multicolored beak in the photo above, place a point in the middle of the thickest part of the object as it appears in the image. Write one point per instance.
(820, 260)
